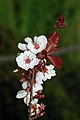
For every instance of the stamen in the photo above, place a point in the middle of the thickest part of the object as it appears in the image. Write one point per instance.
(27, 60)
(36, 46)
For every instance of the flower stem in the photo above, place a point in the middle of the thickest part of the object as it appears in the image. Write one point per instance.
(31, 94)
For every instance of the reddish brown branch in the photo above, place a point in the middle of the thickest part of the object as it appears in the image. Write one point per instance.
(31, 94)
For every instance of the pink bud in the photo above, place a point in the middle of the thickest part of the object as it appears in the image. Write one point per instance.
(23, 79)
(27, 89)
(40, 91)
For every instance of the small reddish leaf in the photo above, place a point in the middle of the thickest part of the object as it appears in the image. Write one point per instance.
(56, 61)
(54, 37)
(53, 42)
(60, 23)
(51, 49)
(61, 19)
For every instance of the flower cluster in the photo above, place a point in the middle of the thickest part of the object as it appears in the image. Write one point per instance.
(32, 64)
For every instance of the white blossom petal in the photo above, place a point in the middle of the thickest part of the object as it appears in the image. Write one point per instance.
(28, 39)
(37, 87)
(22, 46)
(21, 94)
(32, 112)
(50, 67)
(39, 77)
(47, 76)
(52, 72)
(16, 70)
(24, 85)
(34, 101)
(34, 92)
(27, 99)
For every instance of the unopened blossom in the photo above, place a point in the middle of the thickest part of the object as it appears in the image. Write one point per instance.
(16, 70)
(27, 60)
(38, 45)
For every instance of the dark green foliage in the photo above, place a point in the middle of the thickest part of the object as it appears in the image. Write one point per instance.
(22, 18)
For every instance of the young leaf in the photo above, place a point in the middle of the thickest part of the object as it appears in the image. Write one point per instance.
(56, 61)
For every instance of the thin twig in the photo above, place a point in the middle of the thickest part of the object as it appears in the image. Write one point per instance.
(31, 94)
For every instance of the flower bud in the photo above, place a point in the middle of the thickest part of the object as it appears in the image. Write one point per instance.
(40, 91)
(27, 89)
(23, 79)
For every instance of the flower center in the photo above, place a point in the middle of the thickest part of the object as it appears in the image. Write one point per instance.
(27, 60)
(36, 46)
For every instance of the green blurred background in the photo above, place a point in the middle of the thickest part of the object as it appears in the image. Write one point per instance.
(22, 18)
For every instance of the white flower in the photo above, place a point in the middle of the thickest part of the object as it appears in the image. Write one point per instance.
(38, 45)
(45, 74)
(49, 72)
(27, 60)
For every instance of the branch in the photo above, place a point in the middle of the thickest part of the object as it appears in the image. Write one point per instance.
(31, 94)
